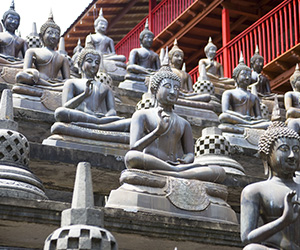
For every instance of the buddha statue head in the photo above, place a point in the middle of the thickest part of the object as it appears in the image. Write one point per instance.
(210, 49)
(146, 37)
(257, 61)
(176, 55)
(295, 79)
(276, 139)
(165, 74)
(11, 19)
(88, 50)
(241, 67)
(100, 23)
(50, 29)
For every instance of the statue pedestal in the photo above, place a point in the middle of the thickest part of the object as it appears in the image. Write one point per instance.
(8, 74)
(134, 86)
(44, 100)
(153, 193)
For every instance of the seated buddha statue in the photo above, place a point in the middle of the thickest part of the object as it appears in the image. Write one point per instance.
(142, 62)
(292, 103)
(276, 200)
(87, 103)
(48, 62)
(114, 64)
(260, 81)
(240, 108)
(161, 141)
(11, 45)
(186, 95)
(214, 69)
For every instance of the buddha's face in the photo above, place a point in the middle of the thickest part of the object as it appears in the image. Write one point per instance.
(51, 37)
(90, 65)
(168, 91)
(258, 65)
(177, 58)
(101, 26)
(244, 78)
(211, 53)
(147, 40)
(284, 157)
(11, 22)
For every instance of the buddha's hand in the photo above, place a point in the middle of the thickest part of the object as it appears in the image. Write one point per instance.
(89, 87)
(164, 122)
(291, 207)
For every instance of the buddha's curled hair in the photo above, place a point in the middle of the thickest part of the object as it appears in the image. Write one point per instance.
(275, 131)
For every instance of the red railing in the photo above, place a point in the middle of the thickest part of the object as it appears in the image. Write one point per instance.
(162, 15)
(274, 33)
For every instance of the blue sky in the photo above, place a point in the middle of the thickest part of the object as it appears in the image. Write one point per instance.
(64, 12)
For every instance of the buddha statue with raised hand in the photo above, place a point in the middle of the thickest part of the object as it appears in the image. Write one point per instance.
(274, 200)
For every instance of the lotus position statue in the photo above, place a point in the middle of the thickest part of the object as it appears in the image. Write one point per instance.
(87, 102)
(142, 63)
(275, 200)
(47, 61)
(187, 97)
(160, 140)
(113, 63)
(239, 106)
(11, 44)
(260, 81)
(291, 102)
(214, 69)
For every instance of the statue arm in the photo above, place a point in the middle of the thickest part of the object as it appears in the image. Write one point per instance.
(187, 144)
(28, 59)
(221, 71)
(256, 107)
(157, 63)
(112, 46)
(137, 139)
(132, 57)
(110, 103)
(65, 70)
(24, 48)
(69, 100)
(250, 207)
(189, 83)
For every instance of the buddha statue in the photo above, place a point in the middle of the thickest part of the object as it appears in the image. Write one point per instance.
(160, 140)
(161, 175)
(291, 102)
(76, 51)
(88, 103)
(48, 62)
(114, 64)
(214, 69)
(275, 201)
(142, 62)
(11, 45)
(260, 81)
(240, 108)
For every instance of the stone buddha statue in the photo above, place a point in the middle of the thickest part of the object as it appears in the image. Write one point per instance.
(260, 81)
(11, 45)
(240, 108)
(160, 140)
(142, 62)
(48, 62)
(114, 64)
(276, 200)
(161, 175)
(214, 69)
(292, 103)
(88, 103)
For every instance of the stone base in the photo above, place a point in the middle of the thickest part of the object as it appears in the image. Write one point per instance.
(133, 85)
(71, 142)
(8, 74)
(182, 198)
(196, 112)
(48, 102)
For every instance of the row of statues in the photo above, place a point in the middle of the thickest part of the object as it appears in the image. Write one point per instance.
(161, 142)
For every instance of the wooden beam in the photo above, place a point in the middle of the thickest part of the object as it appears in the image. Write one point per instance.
(121, 13)
(200, 16)
(240, 10)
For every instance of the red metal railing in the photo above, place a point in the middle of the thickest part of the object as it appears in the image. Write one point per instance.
(274, 33)
(162, 15)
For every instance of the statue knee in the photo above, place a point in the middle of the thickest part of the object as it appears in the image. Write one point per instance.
(254, 246)
(60, 114)
(131, 159)
(223, 117)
